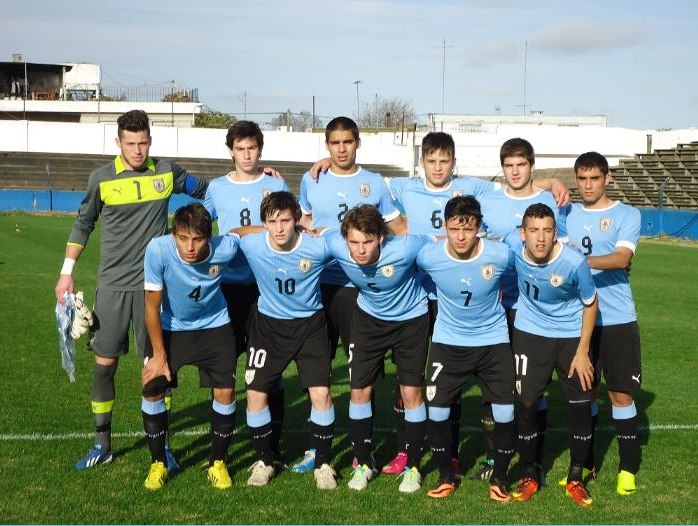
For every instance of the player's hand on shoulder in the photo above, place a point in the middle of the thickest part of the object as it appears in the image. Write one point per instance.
(560, 192)
(321, 166)
(272, 172)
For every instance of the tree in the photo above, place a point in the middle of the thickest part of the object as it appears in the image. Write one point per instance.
(299, 121)
(210, 118)
(387, 113)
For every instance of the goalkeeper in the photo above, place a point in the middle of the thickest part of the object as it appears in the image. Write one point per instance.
(131, 195)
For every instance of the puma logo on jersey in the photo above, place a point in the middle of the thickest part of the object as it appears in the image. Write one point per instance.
(518, 216)
(117, 190)
(588, 228)
(343, 196)
(438, 202)
(636, 378)
(466, 281)
(245, 200)
(283, 271)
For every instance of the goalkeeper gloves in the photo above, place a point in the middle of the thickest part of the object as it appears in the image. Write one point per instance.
(82, 318)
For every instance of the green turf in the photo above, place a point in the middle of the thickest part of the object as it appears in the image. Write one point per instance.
(39, 485)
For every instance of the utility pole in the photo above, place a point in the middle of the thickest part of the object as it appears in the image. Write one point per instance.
(524, 78)
(358, 116)
(443, 80)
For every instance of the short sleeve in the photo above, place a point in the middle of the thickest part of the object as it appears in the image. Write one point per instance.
(154, 267)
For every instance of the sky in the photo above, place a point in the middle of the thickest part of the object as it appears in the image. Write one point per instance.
(634, 62)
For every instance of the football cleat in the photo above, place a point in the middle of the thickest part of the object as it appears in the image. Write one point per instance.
(360, 477)
(94, 457)
(157, 476)
(525, 490)
(172, 465)
(442, 489)
(588, 475)
(456, 469)
(218, 475)
(261, 474)
(397, 465)
(307, 464)
(485, 472)
(325, 477)
(578, 492)
(499, 490)
(626, 483)
(411, 480)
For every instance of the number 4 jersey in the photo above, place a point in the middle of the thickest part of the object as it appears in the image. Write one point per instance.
(598, 232)
(192, 297)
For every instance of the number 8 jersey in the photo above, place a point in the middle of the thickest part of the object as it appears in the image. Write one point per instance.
(192, 297)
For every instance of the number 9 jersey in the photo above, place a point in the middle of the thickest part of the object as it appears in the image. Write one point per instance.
(192, 296)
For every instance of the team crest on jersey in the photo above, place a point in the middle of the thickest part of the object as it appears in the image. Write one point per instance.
(605, 224)
(388, 271)
(249, 376)
(487, 271)
(431, 392)
(265, 192)
(159, 185)
(304, 265)
(457, 193)
(364, 189)
(214, 270)
(556, 280)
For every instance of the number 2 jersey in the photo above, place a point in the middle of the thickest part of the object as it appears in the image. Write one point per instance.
(235, 204)
(552, 294)
(192, 296)
(598, 232)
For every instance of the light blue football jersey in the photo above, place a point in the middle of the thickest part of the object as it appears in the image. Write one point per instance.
(289, 282)
(598, 232)
(192, 297)
(552, 295)
(501, 218)
(236, 204)
(389, 289)
(333, 195)
(424, 207)
(470, 313)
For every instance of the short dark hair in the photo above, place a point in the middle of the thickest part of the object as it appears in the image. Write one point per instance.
(537, 211)
(463, 207)
(517, 147)
(193, 216)
(133, 121)
(435, 141)
(344, 124)
(366, 219)
(244, 130)
(277, 202)
(591, 160)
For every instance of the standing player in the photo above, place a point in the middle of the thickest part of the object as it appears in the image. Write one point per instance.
(470, 337)
(131, 194)
(390, 313)
(502, 214)
(188, 324)
(552, 332)
(234, 200)
(324, 204)
(607, 232)
(289, 324)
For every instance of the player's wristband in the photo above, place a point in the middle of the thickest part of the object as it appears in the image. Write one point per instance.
(68, 265)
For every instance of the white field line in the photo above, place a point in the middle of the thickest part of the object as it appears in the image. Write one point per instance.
(200, 430)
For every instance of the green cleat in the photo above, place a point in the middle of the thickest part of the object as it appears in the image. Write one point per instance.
(626, 483)
(157, 476)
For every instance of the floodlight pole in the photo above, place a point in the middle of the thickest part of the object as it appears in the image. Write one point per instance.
(358, 116)
(660, 205)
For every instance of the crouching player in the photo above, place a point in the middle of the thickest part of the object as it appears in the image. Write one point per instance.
(391, 313)
(289, 324)
(470, 337)
(188, 324)
(552, 331)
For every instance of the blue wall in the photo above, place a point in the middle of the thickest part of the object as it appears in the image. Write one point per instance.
(680, 223)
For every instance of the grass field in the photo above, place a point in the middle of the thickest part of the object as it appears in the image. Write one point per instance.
(45, 422)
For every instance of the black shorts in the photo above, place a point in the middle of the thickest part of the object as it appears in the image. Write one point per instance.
(615, 351)
(241, 298)
(339, 303)
(274, 342)
(433, 307)
(450, 366)
(211, 350)
(371, 338)
(535, 359)
(511, 318)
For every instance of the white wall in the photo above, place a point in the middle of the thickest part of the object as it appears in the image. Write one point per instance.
(476, 153)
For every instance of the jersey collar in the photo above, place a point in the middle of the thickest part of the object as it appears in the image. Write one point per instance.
(120, 167)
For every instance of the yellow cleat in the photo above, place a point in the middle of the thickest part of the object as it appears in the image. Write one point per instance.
(626, 483)
(157, 476)
(218, 475)
(587, 476)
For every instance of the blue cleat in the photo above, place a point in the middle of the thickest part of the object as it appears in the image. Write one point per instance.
(94, 457)
(307, 464)
(172, 466)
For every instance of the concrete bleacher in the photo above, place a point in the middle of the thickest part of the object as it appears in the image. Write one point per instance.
(20, 170)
